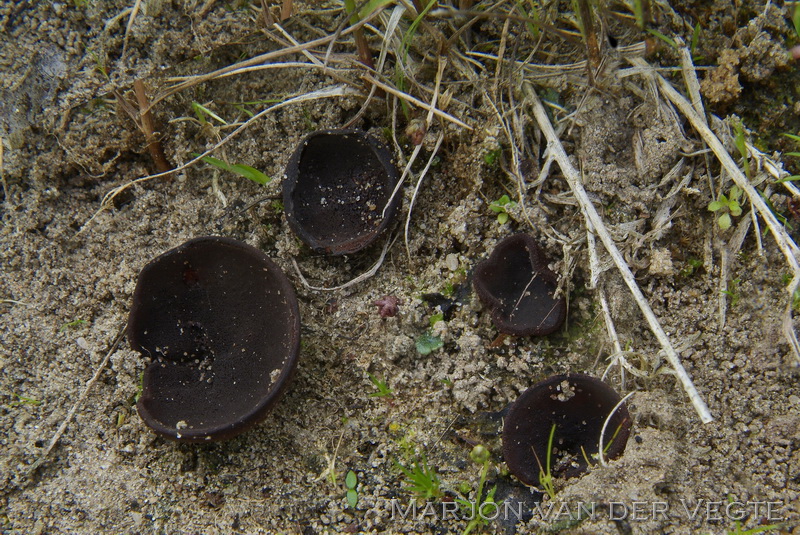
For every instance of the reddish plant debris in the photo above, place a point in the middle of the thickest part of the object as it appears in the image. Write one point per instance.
(388, 306)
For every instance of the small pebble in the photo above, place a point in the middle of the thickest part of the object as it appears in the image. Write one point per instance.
(451, 261)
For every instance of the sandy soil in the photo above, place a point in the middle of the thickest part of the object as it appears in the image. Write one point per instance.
(68, 277)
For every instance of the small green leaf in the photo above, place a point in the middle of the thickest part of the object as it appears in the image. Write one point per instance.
(351, 480)
(352, 498)
(436, 318)
(735, 209)
(788, 179)
(502, 218)
(795, 154)
(792, 136)
(724, 221)
(240, 169)
(201, 111)
(427, 344)
(716, 205)
(71, 324)
(735, 194)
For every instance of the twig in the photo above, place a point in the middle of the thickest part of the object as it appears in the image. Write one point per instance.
(596, 224)
(147, 124)
(605, 425)
(134, 12)
(416, 102)
(364, 276)
(78, 402)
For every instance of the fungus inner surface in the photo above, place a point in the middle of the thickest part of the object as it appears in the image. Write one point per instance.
(222, 328)
(578, 406)
(341, 189)
(519, 287)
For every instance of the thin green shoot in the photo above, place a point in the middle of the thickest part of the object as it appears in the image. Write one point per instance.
(99, 64)
(241, 105)
(605, 448)
(796, 19)
(696, 33)
(741, 144)
(368, 9)
(201, 112)
(71, 324)
(383, 389)
(480, 455)
(246, 171)
(22, 400)
(786, 278)
(793, 138)
(638, 11)
(139, 389)
(545, 475)
(737, 525)
(422, 480)
(405, 45)
(668, 40)
(733, 291)
(779, 216)
(532, 14)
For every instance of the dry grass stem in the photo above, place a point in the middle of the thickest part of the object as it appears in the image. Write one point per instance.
(328, 92)
(131, 18)
(596, 225)
(785, 243)
(428, 122)
(417, 102)
(364, 276)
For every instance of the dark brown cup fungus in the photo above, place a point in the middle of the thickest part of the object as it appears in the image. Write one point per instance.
(578, 406)
(518, 287)
(221, 324)
(337, 191)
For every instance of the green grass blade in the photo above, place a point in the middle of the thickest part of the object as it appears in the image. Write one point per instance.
(670, 41)
(246, 171)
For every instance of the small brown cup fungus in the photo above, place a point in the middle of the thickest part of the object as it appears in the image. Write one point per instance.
(338, 188)
(578, 406)
(221, 324)
(519, 289)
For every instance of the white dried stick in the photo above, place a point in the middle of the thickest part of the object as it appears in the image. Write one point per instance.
(785, 243)
(596, 225)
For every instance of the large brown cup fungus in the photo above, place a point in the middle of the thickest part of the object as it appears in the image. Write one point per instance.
(519, 289)
(578, 406)
(221, 324)
(338, 189)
